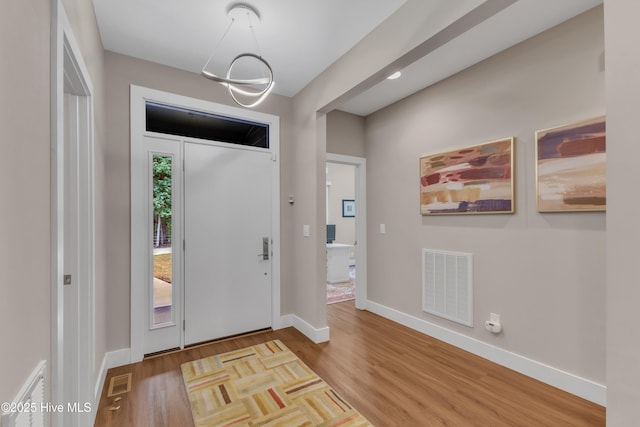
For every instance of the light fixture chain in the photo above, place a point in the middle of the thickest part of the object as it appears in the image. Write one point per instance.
(215, 49)
(253, 33)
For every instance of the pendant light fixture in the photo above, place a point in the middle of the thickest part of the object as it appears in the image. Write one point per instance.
(245, 91)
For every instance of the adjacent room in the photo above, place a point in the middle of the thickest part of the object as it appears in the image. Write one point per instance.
(389, 212)
(341, 232)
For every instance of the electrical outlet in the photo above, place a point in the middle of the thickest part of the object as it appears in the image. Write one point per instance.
(493, 325)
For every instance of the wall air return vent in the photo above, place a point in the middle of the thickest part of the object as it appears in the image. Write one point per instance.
(27, 408)
(447, 289)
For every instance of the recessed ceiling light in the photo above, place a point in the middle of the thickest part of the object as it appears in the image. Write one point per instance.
(394, 75)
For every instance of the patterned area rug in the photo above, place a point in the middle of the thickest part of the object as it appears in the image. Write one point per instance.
(343, 291)
(263, 385)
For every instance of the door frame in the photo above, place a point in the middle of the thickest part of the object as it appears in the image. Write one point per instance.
(68, 70)
(360, 164)
(139, 215)
(163, 336)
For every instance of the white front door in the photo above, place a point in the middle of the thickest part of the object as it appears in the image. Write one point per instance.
(224, 200)
(228, 239)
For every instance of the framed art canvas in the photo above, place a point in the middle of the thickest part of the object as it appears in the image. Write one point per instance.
(348, 208)
(472, 180)
(571, 167)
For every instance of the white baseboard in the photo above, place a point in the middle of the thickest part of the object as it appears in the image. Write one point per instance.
(282, 322)
(568, 382)
(314, 334)
(111, 359)
(286, 321)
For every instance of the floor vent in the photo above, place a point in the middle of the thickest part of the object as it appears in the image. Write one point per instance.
(119, 384)
(447, 289)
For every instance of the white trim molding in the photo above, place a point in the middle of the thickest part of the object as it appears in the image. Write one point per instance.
(566, 381)
(70, 77)
(317, 335)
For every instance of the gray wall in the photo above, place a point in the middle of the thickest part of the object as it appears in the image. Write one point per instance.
(544, 273)
(623, 229)
(25, 259)
(342, 179)
(25, 307)
(122, 71)
(398, 35)
(345, 134)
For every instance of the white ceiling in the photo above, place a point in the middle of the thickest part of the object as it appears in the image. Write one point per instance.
(516, 23)
(301, 38)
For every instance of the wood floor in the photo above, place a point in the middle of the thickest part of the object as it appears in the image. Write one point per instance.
(393, 375)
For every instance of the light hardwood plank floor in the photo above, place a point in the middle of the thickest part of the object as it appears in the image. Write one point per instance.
(393, 375)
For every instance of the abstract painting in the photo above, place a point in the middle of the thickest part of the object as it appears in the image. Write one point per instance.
(571, 167)
(473, 180)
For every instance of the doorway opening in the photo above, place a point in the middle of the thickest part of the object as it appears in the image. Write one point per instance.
(341, 232)
(346, 229)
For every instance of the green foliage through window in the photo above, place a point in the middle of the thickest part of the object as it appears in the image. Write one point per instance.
(162, 203)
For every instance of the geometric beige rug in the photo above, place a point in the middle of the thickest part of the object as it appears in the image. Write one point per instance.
(263, 385)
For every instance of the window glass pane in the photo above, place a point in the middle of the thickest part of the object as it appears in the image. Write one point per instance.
(162, 242)
(197, 124)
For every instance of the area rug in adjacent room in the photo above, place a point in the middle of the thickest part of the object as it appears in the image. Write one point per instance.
(263, 385)
(343, 291)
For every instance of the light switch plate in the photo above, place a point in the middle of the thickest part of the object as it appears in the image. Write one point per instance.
(305, 231)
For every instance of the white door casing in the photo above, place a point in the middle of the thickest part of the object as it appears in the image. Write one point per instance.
(70, 257)
(73, 375)
(140, 259)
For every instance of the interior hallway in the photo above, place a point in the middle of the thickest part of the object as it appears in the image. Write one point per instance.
(397, 377)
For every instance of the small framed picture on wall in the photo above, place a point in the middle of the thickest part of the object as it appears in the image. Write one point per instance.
(348, 208)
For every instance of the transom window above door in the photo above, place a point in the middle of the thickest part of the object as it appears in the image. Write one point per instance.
(172, 120)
